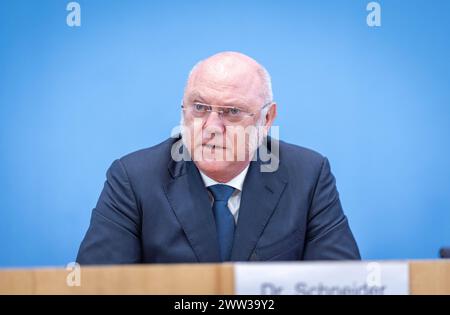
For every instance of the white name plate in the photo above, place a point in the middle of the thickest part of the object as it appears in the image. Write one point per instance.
(322, 278)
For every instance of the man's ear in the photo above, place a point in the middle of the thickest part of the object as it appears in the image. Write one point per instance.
(270, 116)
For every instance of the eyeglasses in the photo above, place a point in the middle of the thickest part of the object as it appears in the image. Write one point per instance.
(227, 113)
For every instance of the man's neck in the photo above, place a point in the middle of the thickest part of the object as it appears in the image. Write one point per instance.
(228, 176)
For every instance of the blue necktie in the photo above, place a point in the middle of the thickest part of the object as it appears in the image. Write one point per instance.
(224, 218)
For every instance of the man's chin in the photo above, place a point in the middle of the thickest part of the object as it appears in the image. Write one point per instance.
(214, 166)
(217, 169)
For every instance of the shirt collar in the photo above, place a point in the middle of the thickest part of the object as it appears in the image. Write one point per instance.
(237, 182)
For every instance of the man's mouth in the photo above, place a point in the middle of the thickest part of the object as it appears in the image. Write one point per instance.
(212, 146)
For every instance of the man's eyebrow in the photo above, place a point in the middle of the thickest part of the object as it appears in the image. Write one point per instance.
(199, 98)
(196, 96)
(235, 103)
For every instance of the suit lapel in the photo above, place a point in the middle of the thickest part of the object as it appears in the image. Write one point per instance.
(189, 200)
(260, 195)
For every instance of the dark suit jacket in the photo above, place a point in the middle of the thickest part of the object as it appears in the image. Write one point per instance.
(155, 210)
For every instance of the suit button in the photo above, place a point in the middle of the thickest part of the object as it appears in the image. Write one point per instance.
(254, 256)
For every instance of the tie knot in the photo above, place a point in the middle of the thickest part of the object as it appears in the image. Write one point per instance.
(221, 192)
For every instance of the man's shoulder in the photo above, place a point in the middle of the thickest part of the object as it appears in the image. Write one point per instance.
(300, 163)
(292, 153)
(156, 152)
(149, 160)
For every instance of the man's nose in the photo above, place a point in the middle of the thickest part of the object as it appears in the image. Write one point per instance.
(214, 123)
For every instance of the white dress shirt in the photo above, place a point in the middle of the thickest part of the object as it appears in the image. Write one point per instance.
(235, 200)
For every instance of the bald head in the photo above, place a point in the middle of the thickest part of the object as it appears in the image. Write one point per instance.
(223, 81)
(232, 71)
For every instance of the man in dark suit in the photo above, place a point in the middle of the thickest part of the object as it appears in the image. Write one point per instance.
(223, 190)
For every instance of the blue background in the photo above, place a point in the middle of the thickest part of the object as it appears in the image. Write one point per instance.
(375, 101)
